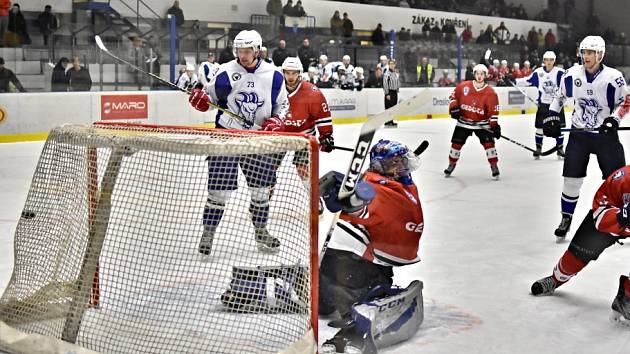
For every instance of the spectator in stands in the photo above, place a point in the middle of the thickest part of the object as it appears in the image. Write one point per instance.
(515, 41)
(7, 76)
(426, 29)
(17, 27)
(436, 32)
(227, 54)
(287, 10)
(532, 38)
(502, 34)
(445, 81)
(306, 54)
(521, 13)
(336, 24)
(541, 39)
(424, 72)
(378, 37)
(550, 40)
(5, 5)
(47, 23)
(391, 86)
(487, 36)
(449, 31)
(79, 77)
(298, 9)
(59, 80)
(274, 10)
(280, 53)
(375, 80)
(177, 13)
(469, 71)
(467, 34)
(402, 35)
(347, 25)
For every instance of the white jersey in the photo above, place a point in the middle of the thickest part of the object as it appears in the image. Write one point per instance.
(207, 70)
(325, 71)
(595, 98)
(546, 82)
(187, 82)
(254, 94)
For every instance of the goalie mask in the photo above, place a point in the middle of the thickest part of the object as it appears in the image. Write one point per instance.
(393, 159)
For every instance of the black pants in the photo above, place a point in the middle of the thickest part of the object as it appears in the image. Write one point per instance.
(391, 102)
(345, 278)
(588, 242)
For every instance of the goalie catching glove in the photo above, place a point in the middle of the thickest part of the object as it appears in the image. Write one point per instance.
(329, 186)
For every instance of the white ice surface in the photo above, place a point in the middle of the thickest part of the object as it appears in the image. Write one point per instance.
(483, 245)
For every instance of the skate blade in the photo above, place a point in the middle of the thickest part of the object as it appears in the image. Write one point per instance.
(560, 158)
(266, 249)
(496, 178)
(616, 318)
(560, 239)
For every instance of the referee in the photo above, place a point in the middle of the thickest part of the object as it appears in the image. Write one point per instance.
(391, 85)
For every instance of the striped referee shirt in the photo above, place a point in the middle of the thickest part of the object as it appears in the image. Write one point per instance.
(391, 82)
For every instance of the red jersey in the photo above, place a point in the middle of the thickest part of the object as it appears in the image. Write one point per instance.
(477, 106)
(493, 74)
(610, 197)
(503, 71)
(388, 231)
(526, 72)
(517, 74)
(308, 108)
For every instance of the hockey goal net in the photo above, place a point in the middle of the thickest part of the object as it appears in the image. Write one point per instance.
(107, 248)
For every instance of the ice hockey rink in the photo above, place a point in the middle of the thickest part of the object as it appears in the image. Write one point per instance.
(483, 245)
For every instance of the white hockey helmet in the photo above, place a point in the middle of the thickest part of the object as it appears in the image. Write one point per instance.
(247, 39)
(495, 62)
(358, 70)
(526, 63)
(480, 67)
(594, 43)
(190, 67)
(516, 65)
(345, 58)
(292, 63)
(313, 70)
(323, 57)
(549, 55)
(504, 62)
(382, 57)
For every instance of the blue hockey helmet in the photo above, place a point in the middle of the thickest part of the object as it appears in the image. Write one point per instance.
(392, 159)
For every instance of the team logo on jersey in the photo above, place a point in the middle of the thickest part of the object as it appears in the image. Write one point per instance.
(590, 112)
(248, 103)
(549, 87)
(618, 175)
(540, 74)
(413, 227)
(578, 82)
(236, 76)
(466, 90)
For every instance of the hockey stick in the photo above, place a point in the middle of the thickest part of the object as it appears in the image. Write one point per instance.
(418, 151)
(544, 153)
(571, 130)
(343, 148)
(102, 47)
(523, 92)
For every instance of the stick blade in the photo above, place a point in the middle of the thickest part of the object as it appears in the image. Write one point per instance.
(99, 42)
(420, 149)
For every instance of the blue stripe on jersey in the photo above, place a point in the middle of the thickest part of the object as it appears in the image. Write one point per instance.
(610, 97)
(559, 77)
(276, 86)
(222, 87)
(206, 70)
(568, 85)
(533, 79)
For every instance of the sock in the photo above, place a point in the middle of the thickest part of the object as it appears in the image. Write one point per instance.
(568, 266)
(626, 287)
(491, 153)
(538, 139)
(560, 140)
(453, 155)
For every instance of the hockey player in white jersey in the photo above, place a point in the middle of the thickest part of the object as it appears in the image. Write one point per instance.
(547, 80)
(600, 100)
(188, 79)
(207, 70)
(254, 90)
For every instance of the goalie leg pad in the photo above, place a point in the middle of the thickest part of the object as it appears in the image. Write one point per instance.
(267, 289)
(393, 318)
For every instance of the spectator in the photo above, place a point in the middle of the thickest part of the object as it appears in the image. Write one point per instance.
(403, 35)
(280, 53)
(298, 9)
(375, 80)
(264, 55)
(449, 31)
(17, 27)
(347, 25)
(336, 24)
(436, 32)
(287, 10)
(59, 80)
(515, 41)
(469, 71)
(5, 5)
(502, 34)
(426, 29)
(550, 40)
(541, 39)
(177, 13)
(79, 77)
(532, 38)
(467, 34)
(445, 81)
(227, 54)
(47, 22)
(7, 76)
(482, 38)
(521, 13)
(424, 72)
(274, 10)
(306, 54)
(378, 37)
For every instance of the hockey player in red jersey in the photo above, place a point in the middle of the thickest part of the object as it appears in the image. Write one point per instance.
(379, 228)
(605, 224)
(474, 105)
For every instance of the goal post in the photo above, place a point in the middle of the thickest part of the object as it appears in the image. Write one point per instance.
(107, 250)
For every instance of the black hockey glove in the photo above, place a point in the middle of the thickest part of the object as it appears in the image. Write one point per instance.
(329, 186)
(455, 113)
(508, 80)
(609, 126)
(623, 215)
(496, 131)
(551, 125)
(326, 142)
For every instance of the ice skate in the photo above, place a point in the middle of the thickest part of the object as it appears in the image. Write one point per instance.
(205, 245)
(391, 124)
(495, 171)
(560, 152)
(538, 151)
(266, 243)
(449, 170)
(349, 340)
(544, 286)
(563, 228)
(621, 305)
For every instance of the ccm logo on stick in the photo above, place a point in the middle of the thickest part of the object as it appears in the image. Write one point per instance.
(124, 107)
(355, 166)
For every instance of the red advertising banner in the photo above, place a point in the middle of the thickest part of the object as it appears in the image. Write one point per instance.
(124, 107)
